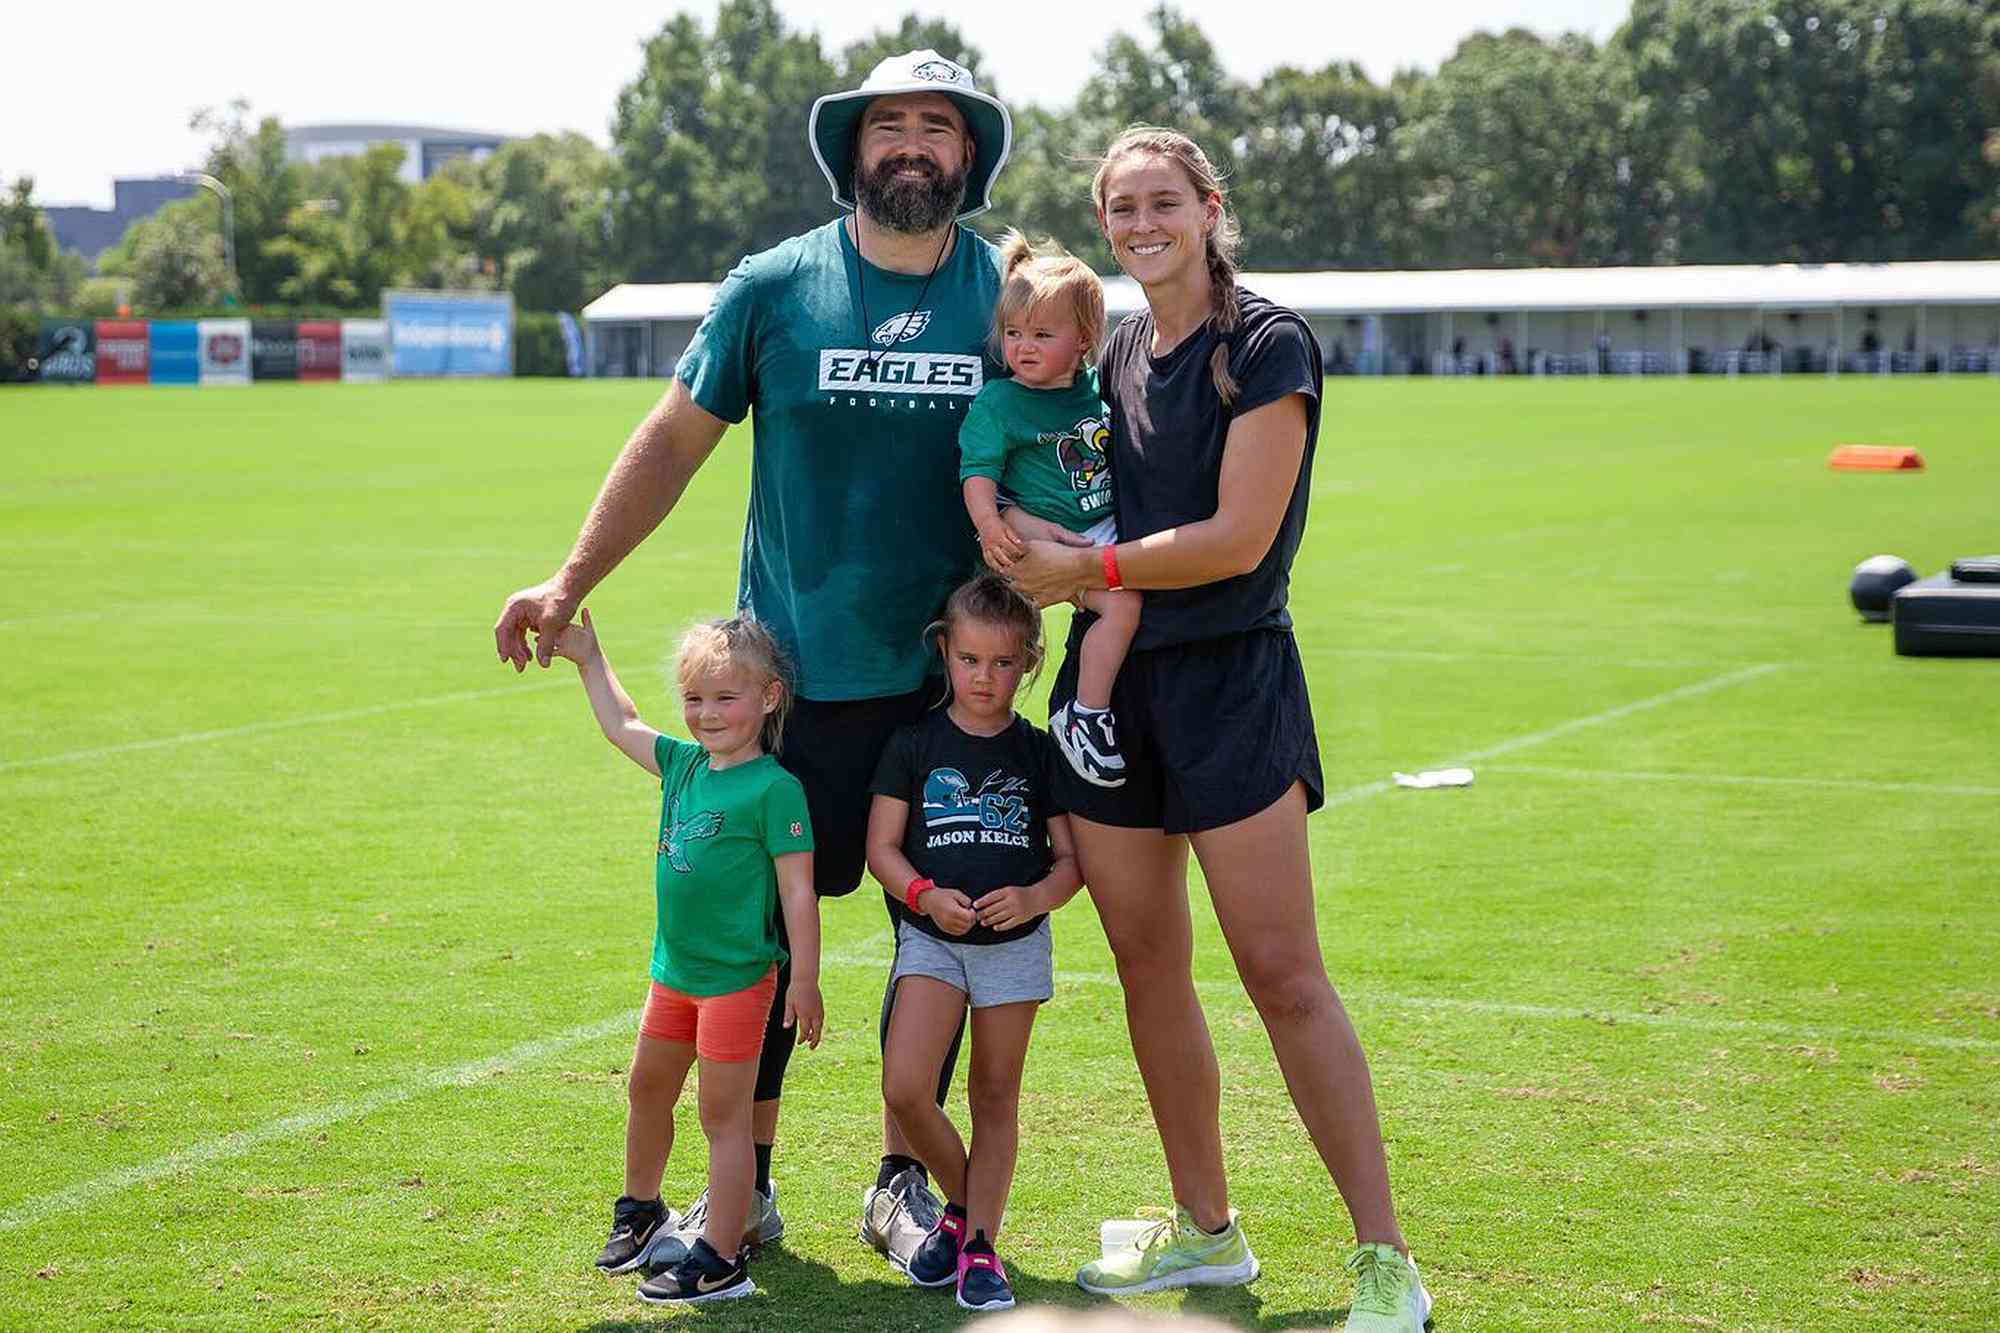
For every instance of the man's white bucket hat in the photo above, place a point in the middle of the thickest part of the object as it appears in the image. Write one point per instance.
(837, 116)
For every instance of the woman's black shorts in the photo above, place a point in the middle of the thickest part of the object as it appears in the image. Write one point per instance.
(1212, 732)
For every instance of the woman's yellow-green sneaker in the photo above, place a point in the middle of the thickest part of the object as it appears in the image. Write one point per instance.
(1389, 1297)
(1173, 1252)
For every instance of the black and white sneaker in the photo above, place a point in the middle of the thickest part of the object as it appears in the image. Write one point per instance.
(670, 1245)
(633, 1224)
(703, 1276)
(1088, 738)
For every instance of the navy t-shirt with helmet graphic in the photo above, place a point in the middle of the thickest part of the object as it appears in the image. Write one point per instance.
(979, 811)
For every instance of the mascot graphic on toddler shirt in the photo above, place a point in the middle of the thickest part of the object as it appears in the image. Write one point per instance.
(1083, 451)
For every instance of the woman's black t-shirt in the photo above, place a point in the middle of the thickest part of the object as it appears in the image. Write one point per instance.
(1168, 427)
(979, 811)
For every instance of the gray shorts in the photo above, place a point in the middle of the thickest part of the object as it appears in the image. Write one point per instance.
(989, 974)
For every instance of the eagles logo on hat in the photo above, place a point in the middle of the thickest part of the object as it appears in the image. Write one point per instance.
(836, 117)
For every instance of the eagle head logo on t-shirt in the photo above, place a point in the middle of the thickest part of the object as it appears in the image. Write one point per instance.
(900, 328)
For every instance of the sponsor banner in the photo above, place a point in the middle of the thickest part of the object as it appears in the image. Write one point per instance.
(123, 351)
(852, 370)
(572, 342)
(225, 351)
(274, 349)
(364, 350)
(176, 351)
(449, 333)
(68, 351)
(319, 349)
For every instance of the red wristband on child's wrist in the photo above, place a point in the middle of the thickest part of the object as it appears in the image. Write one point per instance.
(1111, 578)
(916, 890)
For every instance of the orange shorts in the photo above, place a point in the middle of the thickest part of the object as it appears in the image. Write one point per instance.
(729, 1028)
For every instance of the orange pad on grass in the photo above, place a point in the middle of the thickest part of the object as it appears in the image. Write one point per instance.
(1875, 458)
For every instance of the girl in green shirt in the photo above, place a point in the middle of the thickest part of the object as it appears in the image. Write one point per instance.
(734, 843)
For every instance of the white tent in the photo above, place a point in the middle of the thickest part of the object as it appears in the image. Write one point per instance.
(1733, 318)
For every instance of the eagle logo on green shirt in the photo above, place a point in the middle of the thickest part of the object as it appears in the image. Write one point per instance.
(681, 832)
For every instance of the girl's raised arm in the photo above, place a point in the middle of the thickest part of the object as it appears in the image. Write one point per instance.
(617, 716)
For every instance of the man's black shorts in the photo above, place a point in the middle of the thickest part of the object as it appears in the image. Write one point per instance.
(1212, 732)
(832, 749)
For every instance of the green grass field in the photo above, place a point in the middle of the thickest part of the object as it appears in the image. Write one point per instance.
(322, 935)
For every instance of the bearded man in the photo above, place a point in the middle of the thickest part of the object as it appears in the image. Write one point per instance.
(859, 344)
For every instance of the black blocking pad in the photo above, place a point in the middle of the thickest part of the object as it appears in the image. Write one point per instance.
(1945, 617)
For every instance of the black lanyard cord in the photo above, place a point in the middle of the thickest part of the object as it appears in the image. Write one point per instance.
(861, 293)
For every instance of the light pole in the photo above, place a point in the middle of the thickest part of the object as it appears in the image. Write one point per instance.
(221, 192)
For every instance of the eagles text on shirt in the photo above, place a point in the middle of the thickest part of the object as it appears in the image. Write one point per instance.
(880, 376)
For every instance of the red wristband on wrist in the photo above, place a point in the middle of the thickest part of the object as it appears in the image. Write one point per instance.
(1110, 557)
(916, 890)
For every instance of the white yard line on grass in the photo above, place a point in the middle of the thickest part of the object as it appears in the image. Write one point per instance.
(243, 1141)
(1553, 659)
(276, 724)
(1749, 1027)
(872, 954)
(1790, 1032)
(1745, 780)
(1561, 729)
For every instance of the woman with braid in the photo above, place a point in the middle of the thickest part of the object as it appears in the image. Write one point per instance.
(1213, 394)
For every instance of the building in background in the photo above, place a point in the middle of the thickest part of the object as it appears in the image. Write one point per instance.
(426, 149)
(92, 231)
(1725, 319)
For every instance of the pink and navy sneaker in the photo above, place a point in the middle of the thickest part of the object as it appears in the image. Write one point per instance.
(982, 1282)
(937, 1260)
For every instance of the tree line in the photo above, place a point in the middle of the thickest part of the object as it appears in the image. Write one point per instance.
(1702, 131)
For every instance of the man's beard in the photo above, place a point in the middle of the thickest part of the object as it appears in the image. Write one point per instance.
(909, 205)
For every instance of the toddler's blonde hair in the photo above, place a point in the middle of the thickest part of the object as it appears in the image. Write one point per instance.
(1032, 275)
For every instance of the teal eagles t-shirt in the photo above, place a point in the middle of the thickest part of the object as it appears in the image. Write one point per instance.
(715, 889)
(856, 532)
(1047, 449)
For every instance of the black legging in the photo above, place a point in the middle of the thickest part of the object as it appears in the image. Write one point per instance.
(779, 1039)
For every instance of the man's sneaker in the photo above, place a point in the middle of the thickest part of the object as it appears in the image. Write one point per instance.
(1389, 1297)
(633, 1225)
(703, 1276)
(895, 1218)
(1089, 740)
(982, 1282)
(670, 1247)
(936, 1262)
(1173, 1253)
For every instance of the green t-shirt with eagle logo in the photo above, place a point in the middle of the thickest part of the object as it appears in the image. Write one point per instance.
(856, 380)
(1047, 449)
(715, 889)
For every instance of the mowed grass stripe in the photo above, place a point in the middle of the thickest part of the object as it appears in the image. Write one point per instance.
(243, 1142)
(860, 958)
(1746, 780)
(273, 724)
(1568, 728)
